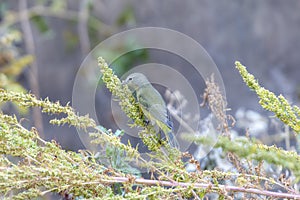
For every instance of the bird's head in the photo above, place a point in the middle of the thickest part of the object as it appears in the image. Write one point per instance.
(135, 81)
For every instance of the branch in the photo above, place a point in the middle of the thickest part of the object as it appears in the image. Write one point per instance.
(83, 27)
(290, 115)
(33, 72)
(96, 24)
(198, 186)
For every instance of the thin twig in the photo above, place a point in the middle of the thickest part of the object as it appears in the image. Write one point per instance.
(33, 72)
(180, 120)
(287, 137)
(195, 195)
(83, 17)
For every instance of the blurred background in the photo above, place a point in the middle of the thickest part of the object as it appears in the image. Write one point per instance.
(44, 42)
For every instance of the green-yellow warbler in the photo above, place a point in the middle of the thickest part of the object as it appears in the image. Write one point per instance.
(152, 104)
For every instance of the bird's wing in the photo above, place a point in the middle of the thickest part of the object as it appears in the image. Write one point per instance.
(154, 108)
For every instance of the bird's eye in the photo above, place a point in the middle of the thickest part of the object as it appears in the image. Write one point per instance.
(130, 79)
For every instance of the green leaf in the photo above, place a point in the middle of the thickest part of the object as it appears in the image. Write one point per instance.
(127, 17)
(40, 24)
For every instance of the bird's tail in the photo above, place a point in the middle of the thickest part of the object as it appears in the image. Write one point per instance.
(171, 138)
(167, 134)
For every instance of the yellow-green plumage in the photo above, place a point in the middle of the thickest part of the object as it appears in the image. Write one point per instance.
(152, 104)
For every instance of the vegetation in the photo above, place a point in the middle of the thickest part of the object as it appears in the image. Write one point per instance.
(32, 167)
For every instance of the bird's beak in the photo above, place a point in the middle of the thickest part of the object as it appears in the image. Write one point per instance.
(123, 83)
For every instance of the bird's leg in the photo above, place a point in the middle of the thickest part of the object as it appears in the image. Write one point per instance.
(146, 122)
